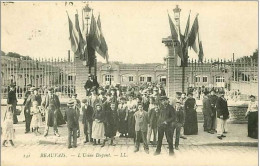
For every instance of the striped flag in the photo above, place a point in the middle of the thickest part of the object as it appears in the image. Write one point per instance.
(74, 38)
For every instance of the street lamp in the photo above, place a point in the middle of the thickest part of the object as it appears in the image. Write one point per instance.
(177, 14)
(86, 10)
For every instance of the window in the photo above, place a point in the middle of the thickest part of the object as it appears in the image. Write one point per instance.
(149, 79)
(197, 79)
(220, 79)
(205, 79)
(109, 78)
(141, 79)
(131, 78)
(69, 78)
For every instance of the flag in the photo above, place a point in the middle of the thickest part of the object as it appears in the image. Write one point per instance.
(194, 35)
(82, 41)
(194, 39)
(74, 39)
(175, 38)
(201, 54)
(94, 34)
(186, 42)
(103, 49)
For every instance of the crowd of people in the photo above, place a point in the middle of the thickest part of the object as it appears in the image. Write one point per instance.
(136, 112)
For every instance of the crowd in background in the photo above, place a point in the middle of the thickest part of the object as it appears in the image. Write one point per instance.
(136, 112)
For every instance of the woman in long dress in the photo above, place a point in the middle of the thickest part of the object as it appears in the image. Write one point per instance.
(252, 114)
(191, 122)
(122, 117)
(131, 105)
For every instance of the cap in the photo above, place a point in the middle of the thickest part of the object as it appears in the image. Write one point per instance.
(32, 89)
(84, 100)
(71, 102)
(75, 94)
(12, 85)
(251, 96)
(50, 89)
(178, 93)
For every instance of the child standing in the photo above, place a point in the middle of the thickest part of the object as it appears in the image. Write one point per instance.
(98, 127)
(71, 118)
(8, 129)
(36, 117)
(141, 127)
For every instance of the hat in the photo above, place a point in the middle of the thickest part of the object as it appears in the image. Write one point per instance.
(164, 98)
(84, 100)
(212, 90)
(251, 96)
(222, 92)
(12, 85)
(29, 85)
(206, 92)
(178, 93)
(190, 93)
(71, 102)
(50, 89)
(32, 89)
(122, 98)
(75, 94)
(178, 102)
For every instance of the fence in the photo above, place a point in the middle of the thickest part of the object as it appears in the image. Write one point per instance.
(237, 77)
(40, 73)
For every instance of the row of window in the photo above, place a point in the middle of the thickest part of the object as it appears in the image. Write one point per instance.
(205, 79)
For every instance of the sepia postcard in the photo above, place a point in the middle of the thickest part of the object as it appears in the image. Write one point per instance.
(129, 83)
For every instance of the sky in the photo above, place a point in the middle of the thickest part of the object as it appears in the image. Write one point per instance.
(133, 30)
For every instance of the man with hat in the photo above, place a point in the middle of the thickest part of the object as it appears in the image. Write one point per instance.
(51, 104)
(34, 96)
(207, 113)
(222, 115)
(12, 102)
(213, 99)
(71, 118)
(167, 116)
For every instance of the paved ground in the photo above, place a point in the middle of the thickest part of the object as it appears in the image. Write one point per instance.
(201, 149)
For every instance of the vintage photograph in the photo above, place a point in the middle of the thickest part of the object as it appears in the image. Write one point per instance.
(129, 83)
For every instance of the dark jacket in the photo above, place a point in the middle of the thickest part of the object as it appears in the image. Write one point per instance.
(87, 114)
(180, 117)
(100, 115)
(154, 116)
(46, 100)
(111, 123)
(166, 113)
(33, 98)
(213, 100)
(71, 118)
(11, 98)
(207, 109)
(222, 108)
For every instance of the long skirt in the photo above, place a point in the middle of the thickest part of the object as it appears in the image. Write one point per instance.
(98, 130)
(131, 125)
(253, 125)
(191, 123)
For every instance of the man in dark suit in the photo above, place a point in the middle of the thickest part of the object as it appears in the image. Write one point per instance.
(207, 113)
(167, 116)
(12, 102)
(87, 120)
(71, 118)
(213, 99)
(51, 104)
(222, 115)
(88, 85)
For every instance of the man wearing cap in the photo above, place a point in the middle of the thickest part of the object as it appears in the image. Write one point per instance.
(222, 115)
(88, 85)
(34, 96)
(167, 116)
(51, 104)
(179, 122)
(87, 120)
(71, 118)
(156, 95)
(12, 102)
(77, 106)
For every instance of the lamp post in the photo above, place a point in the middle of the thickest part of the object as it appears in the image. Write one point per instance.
(177, 14)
